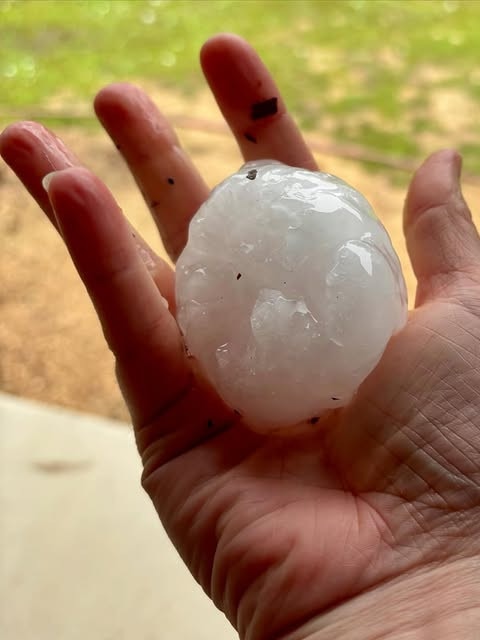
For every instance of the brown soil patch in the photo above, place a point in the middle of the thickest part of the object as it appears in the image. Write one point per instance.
(51, 347)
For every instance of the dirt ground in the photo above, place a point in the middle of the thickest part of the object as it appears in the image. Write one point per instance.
(51, 346)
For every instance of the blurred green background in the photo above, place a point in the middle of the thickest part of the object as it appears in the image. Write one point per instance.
(399, 77)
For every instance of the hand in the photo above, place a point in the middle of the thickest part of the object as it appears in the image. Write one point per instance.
(367, 527)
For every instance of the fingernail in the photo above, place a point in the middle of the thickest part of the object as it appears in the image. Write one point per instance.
(47, 178)
(457, 162)
(453, 159)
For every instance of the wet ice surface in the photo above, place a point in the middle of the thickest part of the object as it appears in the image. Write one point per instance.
(288, 292)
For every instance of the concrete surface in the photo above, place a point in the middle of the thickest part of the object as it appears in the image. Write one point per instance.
(82, 553)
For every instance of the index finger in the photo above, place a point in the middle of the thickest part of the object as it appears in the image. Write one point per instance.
(251, 103)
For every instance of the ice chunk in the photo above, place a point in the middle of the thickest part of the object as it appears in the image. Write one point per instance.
(287, 292)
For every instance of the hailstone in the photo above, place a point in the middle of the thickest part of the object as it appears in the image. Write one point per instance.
(288, 292)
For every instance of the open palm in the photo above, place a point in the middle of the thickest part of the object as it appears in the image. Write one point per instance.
(279, 531)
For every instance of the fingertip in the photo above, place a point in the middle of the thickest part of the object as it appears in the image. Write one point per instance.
(12, 131)
(109, 103)
(456, 160)
(221, 43)
(237, 77)
(50, 181)
(434, 182)
(228, 53)
(442, 240)
(28, 147)
(5, 142)
(112, 94)
(122, 108)
(73, 187)
(251, 103)
(5, 137)
(46, 180)
(17, 139)
(450, 159)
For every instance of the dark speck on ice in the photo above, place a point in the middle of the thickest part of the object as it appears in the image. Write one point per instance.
(252, 174)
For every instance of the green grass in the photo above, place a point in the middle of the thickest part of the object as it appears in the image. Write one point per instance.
(333, 60)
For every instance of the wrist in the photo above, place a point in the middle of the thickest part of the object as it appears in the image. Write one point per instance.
(441, 603)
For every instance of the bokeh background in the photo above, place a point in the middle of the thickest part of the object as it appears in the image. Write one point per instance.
(376, 85)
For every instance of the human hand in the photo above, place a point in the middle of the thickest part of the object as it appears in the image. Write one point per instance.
(368, 525)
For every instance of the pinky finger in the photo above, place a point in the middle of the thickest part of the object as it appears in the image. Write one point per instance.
(137, 325)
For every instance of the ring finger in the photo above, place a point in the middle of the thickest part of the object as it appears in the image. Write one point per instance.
(32, 151)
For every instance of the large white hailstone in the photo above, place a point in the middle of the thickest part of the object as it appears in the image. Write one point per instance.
(287, 292)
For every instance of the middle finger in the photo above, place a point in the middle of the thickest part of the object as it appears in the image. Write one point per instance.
(170, 184)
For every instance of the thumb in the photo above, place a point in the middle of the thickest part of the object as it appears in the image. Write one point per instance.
(442, 241)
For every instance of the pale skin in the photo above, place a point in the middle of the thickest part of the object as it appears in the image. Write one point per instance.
(368, 525)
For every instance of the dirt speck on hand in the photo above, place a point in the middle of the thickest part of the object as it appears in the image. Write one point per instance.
(263, 109)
